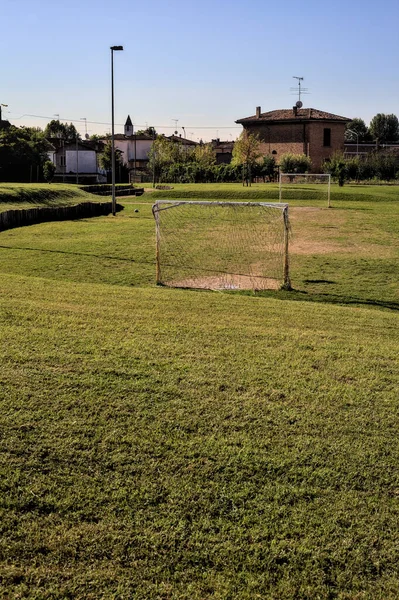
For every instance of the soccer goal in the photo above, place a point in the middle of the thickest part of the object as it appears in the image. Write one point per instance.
(305, 186)
(222, 245)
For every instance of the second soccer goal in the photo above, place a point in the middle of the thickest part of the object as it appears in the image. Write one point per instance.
(222, 245)
(305, 186)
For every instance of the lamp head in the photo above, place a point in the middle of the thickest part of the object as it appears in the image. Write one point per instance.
(116, 47)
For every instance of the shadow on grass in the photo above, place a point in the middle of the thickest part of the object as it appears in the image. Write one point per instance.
(88, 254)
(302, 296)
(292, 295)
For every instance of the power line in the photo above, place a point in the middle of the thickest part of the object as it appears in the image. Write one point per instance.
(122, 124)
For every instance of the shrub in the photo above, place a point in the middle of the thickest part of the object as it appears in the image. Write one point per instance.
(48, 171)
(295, 163)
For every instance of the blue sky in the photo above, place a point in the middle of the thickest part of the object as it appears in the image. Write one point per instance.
(204, 63)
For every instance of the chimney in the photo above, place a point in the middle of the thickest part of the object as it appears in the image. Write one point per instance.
(295, 110)
(258, 112)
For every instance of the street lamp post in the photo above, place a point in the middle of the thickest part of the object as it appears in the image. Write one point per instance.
(357, 140)
(113, 48)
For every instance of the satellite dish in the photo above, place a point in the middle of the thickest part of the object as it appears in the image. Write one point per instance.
(87, 136)
(299, 104)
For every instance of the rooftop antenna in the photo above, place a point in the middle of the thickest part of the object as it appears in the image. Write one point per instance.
(85, 120)
(176, 121)
(300, 90)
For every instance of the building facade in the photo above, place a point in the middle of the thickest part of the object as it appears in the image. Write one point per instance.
(77, 162)
(308, 131)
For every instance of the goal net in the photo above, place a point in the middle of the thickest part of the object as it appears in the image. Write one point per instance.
(305, 186)
(222, 245)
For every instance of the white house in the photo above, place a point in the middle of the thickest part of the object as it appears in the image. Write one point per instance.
(77, 162)
(135, 149)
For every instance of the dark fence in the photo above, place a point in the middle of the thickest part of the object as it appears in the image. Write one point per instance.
(30, 216)
(106, 190)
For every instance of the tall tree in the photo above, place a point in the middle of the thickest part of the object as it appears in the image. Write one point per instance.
(22, 151)
(204, 155)
(105, 158)
(384, 128)
(64, 131)
(246, 153)
(359, 127)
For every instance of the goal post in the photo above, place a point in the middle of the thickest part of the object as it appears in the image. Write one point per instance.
(222, 245)
(305, 186)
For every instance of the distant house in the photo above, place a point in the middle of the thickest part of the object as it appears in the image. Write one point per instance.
(135, 149)
(309, 131)
(182, 140)
(77, 161)
(3, 123)
(362, 150)
(224, 151)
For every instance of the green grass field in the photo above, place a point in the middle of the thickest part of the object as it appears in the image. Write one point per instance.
(167, 444)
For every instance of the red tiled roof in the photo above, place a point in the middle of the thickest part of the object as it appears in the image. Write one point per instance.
(287, 114)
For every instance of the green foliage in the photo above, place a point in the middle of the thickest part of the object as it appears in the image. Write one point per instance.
(357, 126)
(267, 168)
(63, 131)
(105, 158)
(150, 131)
(204, 156)
(295, 163)
(337, 167)
(384, 128)
(376, 165)
(21, 151)
(246, 150)
(48, 171)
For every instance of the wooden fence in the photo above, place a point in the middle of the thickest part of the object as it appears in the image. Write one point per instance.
(30, 216)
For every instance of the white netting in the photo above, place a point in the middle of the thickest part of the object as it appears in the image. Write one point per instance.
(305, 186)
(222, 245)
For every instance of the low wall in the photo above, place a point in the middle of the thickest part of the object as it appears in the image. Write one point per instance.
(120, 190)
(30, 216)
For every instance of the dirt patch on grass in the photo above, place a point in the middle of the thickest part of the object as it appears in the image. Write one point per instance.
(227, 282)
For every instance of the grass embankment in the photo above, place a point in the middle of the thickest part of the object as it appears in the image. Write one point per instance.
(178, 444)
(31, 195)
(308, 194)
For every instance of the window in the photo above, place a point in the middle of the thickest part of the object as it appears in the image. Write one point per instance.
(327, 137)
(62, 161)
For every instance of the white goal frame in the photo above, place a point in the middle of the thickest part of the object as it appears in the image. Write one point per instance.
(327, 176)
(162, 205)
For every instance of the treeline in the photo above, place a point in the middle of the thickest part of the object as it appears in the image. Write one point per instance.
(381, 166)
(24, 151)
(381, 130)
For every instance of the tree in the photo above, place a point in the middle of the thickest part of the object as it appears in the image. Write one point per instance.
(148, 131)
(105, 159)
(23, 150)
(359, 127)
(384, 128)
(246, 153)
(204, 156)
(337, 167)
(268, 167)
(48, 171)
(295, 163)
(66, 132)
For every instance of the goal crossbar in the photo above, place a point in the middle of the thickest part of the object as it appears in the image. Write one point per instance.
(222, 245)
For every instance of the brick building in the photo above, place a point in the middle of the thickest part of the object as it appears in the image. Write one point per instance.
(309, 131)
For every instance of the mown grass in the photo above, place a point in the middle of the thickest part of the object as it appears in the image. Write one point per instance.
(168, 444)
(173, 444)
(313, 194)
